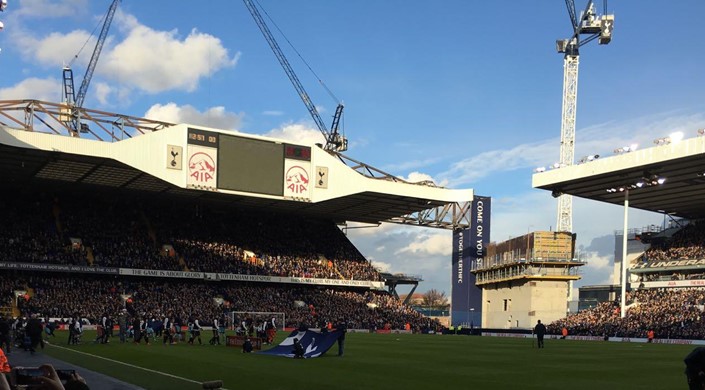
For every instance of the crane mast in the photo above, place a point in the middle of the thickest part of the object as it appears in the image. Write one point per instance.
(335, 142)
(96, 54)
(594, 26)
(73, 99)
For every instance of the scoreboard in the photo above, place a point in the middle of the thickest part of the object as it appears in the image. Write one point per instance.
(251, 165)
(243, 164)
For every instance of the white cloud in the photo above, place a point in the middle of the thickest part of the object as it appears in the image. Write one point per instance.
(428, 244)
(273, 113)
(33, 88)
(600, 262)
(142, 59)
(51, 8)
(600, 139)
(416, 177)
(56, 49)
(298, 133)
(102, 92)
(381, 266)
(485, 164)
(156, 61)
(216, 117)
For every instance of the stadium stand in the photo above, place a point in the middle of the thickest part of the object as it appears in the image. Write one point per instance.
(686, 244)
(95, 229)
(195, 221)
(58, 296)
(123, 234)
(669, 312)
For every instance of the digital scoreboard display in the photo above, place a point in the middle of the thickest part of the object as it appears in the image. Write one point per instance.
(252, 165)
(297, 152)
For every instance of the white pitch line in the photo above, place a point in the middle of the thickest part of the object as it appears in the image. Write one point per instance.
(130, 365)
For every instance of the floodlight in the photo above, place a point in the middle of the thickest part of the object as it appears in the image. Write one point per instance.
(676, 136)
(661, 180)
(540, 169)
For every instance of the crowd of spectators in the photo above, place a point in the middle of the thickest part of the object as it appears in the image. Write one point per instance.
(670, 313)
(132, 234)
(148, 233)
(57, 296)
(686, 244)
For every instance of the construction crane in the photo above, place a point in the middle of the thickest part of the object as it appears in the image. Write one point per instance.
(587, 27)
(335, 142)
(75, 100)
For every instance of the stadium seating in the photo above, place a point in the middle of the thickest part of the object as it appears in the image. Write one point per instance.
(132, 235)
(145, 232)
(57, 296)
(670, 313)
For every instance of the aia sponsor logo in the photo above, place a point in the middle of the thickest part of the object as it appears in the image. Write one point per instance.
(201, 167)
(296, 180)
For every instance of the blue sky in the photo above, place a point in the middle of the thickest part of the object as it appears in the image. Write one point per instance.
(467, 93)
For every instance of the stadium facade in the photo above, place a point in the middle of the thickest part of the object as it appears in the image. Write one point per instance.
(117, 154)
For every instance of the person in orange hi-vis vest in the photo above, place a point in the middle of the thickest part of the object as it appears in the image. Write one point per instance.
(4, 364)
(650, 336)
(564, 333)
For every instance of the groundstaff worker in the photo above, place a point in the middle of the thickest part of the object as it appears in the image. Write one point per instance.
(540, 330)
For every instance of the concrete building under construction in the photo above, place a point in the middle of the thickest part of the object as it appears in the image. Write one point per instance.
(527, 278)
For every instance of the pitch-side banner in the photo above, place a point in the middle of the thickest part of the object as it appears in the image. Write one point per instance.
(315, 343)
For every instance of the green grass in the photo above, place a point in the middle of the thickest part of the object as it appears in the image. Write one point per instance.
(375, 361)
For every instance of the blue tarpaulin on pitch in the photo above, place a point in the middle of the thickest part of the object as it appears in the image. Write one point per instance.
(315, 343)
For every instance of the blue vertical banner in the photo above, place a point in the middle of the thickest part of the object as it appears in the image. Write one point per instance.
(469, 251)
(480, 230)
(460, 278)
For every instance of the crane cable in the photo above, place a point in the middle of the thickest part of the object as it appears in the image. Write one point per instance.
(298, 54)
(100, 23)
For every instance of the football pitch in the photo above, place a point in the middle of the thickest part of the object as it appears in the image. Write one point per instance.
(388, 361)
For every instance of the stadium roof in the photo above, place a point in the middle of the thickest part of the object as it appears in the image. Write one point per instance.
(23, 166)
(680, 166)
(34, 146)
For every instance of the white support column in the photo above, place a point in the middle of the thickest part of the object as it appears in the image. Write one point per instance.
(623, 300)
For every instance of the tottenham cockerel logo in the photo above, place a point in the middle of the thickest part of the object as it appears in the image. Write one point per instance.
(297, 180)
(201, 167)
